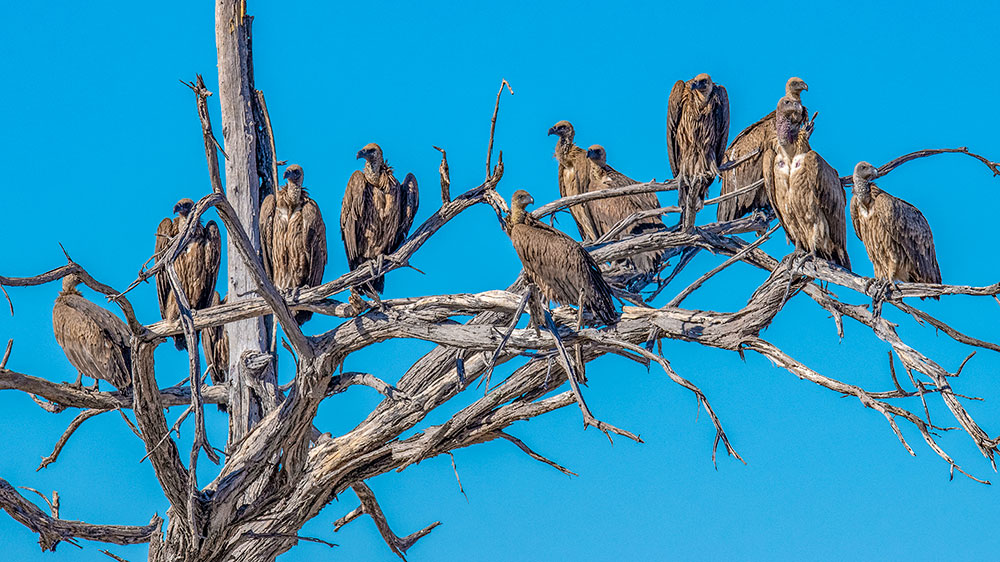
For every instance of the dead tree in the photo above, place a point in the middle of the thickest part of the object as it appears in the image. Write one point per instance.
(280, 471)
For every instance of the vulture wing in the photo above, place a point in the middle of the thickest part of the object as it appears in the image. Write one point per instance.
(720, 122)
(675, 106)
(267, 209)
(911, 231)
(164, 233)
(352, 218)
(410, 199)
(212, 255)
(755, 137)
(315, 231)
(95, 341)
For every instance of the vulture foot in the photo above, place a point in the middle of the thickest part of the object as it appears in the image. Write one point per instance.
(881, 291)
(357, 303)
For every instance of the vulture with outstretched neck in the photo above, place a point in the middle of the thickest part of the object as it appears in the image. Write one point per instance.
(215, 346)
(557, 264)
(697, 132)
(95, 341)
(376, 214)
(197, 265)
(574, 178)
(804, 190)
(896, 235)
(760, 137)
(610, 211)
(293, 238)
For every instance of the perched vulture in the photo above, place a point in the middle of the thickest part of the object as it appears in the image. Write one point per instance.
(895, 233)
(215, 346)
(805, 190)
(293, 238)
(574, 178)
(94, 340)
(610, 211)
(376, 213)
(759, 136)
(557, 264)
(697, 131)
(197, 266)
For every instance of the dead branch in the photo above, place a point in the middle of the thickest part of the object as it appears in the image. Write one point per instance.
(370, 506)
(493, 126)
(897, 162)
(77, 421)
(445, 176)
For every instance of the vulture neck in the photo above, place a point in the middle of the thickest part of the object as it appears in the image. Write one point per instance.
(517, 215)
(373, 171)
(863, 190)
(788, 133)
(564, 145)
(295, 192)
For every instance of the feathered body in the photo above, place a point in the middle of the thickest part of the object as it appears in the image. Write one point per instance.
(377, 213)
(574, 178)
(95, 341)
(697, 132)
(805, 190)
(760, 136)
(896, 235)
(197, 266)
(612, 210)
(557, 264)
(293, 237)
(215, 347)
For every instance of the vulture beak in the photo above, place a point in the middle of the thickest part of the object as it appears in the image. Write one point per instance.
(591, 153)
(694, 85)
(553, 131)
(361, 154)
(805, 86)
(285, 175)
(178, 208)
(530, 200)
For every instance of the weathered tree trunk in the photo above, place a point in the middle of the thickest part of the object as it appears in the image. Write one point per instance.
(242, 190)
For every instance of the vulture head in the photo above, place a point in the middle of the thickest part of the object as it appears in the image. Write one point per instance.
(70, 282)
(518, 202)
(597, 155)
(702, 84)
(372, 153)
(564, 129)
(294, 174)
(864, 173)
(795, 86)
(183, 207)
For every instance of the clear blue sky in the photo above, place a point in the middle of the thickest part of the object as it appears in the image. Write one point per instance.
(101, 140)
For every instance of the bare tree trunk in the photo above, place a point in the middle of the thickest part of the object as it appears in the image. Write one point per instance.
(242, 190)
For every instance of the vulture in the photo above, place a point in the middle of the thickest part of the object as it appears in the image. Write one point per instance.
(896, 235)
(376, 213)
(197, 265)
(759, 136)
(804, 189)
(293, 238)
(215, 347)
(697, 131)
(574, 178)
(94, 340)
(610, 211)
(557, 264)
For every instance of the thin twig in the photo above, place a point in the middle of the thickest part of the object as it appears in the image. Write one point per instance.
(493, 126)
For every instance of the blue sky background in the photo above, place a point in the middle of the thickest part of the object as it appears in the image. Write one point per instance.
(101, 140)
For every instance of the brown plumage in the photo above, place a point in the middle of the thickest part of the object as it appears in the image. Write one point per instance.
(697, 131)
(805, 190)
(376, 214)
(612, 210)
(557, 264)
(197, 266)
(759, 136)
(215, 347)
(574, 178)
(293, 237)
(95, 341)
(896, 235)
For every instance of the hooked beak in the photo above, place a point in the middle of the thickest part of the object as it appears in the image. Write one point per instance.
(285, 175)
(361, 154)
(805, 86)
(530, 200)
(591, 153)
(553, 131)
(694, 85)
(178, 208)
